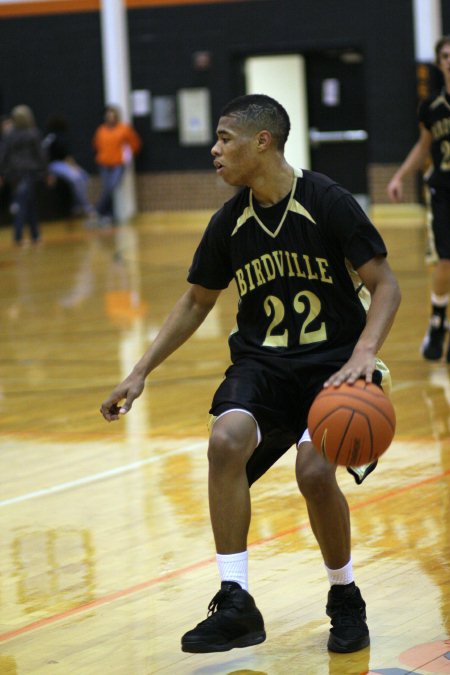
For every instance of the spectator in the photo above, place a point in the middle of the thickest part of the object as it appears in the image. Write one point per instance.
(22, 163)
(63, 166)
(115, 143)
(6, 125)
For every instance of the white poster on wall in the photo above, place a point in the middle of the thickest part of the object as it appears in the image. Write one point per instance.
(164, 116)
(140, 102)
(194, 116)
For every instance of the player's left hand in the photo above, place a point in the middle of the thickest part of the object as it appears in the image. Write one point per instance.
(360, 365)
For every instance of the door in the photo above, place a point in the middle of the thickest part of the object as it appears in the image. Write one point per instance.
(282, 76)
(337, 119)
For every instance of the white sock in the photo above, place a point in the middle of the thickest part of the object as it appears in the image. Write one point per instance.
(234, 567)
(439, 300)
(342, 576)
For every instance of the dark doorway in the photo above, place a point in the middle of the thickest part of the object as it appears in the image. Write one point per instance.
(337, 119)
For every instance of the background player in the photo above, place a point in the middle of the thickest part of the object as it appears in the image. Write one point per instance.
(434, 136)
(303, 254)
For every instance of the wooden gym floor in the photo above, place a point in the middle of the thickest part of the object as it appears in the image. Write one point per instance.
(106, 550)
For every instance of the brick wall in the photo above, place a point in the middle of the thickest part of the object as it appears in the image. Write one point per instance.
(181, 190)
(379, 177)
(193, 190)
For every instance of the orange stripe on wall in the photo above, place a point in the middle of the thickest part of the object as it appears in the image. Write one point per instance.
(67, 6)
(52, 7)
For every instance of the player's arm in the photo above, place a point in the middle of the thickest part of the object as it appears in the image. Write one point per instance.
(184, 319)
(414, 161)
(382, 284)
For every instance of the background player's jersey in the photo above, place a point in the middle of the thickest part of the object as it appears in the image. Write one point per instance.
(299, 293)
(434, 113)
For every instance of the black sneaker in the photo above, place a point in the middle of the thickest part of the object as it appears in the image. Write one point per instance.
(233, 621)
(433, 342)
(347, 610)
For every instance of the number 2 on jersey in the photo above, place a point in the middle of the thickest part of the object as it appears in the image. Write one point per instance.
(445, 150)
(304, 302)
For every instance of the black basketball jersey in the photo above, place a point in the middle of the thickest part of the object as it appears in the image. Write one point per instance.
(434, 113)
(299, 294)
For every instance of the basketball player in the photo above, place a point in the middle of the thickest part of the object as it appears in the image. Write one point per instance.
(434, 136)
(303, 254)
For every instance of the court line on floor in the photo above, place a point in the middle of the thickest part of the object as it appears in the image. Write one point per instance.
(93, 478)
(131, 590)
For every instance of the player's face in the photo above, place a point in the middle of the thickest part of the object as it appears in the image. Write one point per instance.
(444, 59)
(235, 152)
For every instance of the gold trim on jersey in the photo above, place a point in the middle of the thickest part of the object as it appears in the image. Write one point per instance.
(292, 205)
(296, 207)
(440, 100)
(247, 214)
(386, 379)
(361, 290)
(283, 217)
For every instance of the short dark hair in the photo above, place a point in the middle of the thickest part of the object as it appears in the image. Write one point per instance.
(261, 112)
(444, 40)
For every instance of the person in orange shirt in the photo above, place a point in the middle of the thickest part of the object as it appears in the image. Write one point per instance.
(115, 143)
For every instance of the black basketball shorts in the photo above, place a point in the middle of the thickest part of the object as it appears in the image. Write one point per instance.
(278, 393)
(440, 221)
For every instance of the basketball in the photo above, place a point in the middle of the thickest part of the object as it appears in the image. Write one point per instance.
(352, 424)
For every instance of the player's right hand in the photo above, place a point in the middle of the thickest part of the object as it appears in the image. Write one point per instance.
(395, 190)
(129, 390)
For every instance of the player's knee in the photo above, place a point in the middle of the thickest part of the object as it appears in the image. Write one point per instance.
(315, 478)
(226, 450)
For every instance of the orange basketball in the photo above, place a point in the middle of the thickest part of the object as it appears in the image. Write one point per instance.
(352, 424)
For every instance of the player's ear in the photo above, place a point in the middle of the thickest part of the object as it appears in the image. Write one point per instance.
(264, 139)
